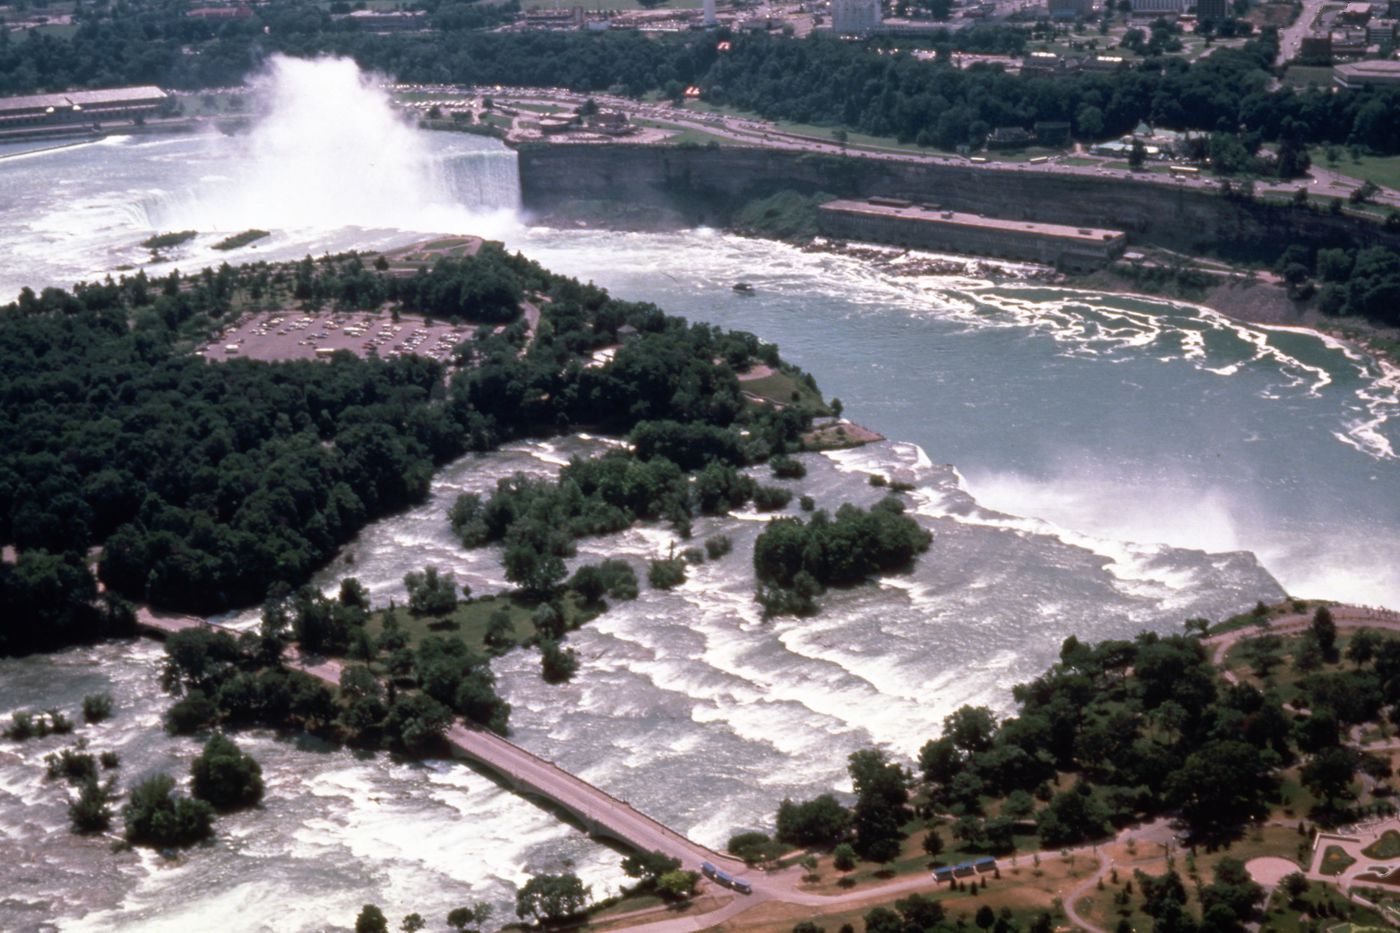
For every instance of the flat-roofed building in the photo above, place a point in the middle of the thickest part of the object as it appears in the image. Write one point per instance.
(892, 220)
(1354, 75)
(1380, 31)
(118, 103)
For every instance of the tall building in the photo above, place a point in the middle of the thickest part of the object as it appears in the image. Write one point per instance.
(855, 17)
(710, 19)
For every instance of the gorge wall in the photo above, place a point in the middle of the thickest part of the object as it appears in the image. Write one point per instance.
(635, 185)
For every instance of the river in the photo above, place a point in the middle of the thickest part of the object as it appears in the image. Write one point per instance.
(1089, 464)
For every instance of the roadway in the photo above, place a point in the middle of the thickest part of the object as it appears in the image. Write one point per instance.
(1290, 39)
(751, 131)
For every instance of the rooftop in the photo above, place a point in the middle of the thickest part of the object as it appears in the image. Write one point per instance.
(957, 218)
(1379, 68)
(83, 98)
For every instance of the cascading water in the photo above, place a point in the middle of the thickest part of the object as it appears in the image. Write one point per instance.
(327, 165)
(328, 150)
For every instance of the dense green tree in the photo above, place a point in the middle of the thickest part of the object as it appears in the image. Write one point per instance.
(1329, 774)
(157, 816)
(468, 918)
(551, 898)
(821, 821)
(91, 810)
(371, 920)
(225, 776)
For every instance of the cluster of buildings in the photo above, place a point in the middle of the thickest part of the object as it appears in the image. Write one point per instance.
(1358, 37)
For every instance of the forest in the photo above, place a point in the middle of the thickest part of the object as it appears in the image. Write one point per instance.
(201, 485)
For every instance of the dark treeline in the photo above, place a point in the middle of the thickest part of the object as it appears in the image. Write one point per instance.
(206, 483)
(815, 80)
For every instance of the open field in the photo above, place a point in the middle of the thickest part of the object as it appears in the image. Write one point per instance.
(1380, 170)
(470, 620)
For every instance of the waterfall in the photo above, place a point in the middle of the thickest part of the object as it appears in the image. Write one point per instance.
(327, 151)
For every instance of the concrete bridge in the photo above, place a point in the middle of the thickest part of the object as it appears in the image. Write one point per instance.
(599, 813)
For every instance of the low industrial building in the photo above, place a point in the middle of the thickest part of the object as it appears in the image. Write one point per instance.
(896, 221)
(83, 107)
(1382, 73)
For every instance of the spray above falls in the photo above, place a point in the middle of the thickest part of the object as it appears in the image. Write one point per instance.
(328, 150)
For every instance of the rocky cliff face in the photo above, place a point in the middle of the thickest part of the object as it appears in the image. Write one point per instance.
(681, 186)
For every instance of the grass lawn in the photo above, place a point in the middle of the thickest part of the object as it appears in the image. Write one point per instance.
(687, 137)
(1107, 906)
(1080, 160)
(1386, 847)
(1321, 900)
(469, 621)
(1381, 170)
(781, 389)
(1335, 861)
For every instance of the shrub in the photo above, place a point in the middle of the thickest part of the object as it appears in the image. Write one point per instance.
(771, 498)
(754, 847)
(557, 664)
(718, 546)
(785, 467)
(156, 816)
(806, 503)
(72, 764)
(225, 776)
(666, 574)
(191, 714)
(621, 578)
(91, 812)
(97, 707)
